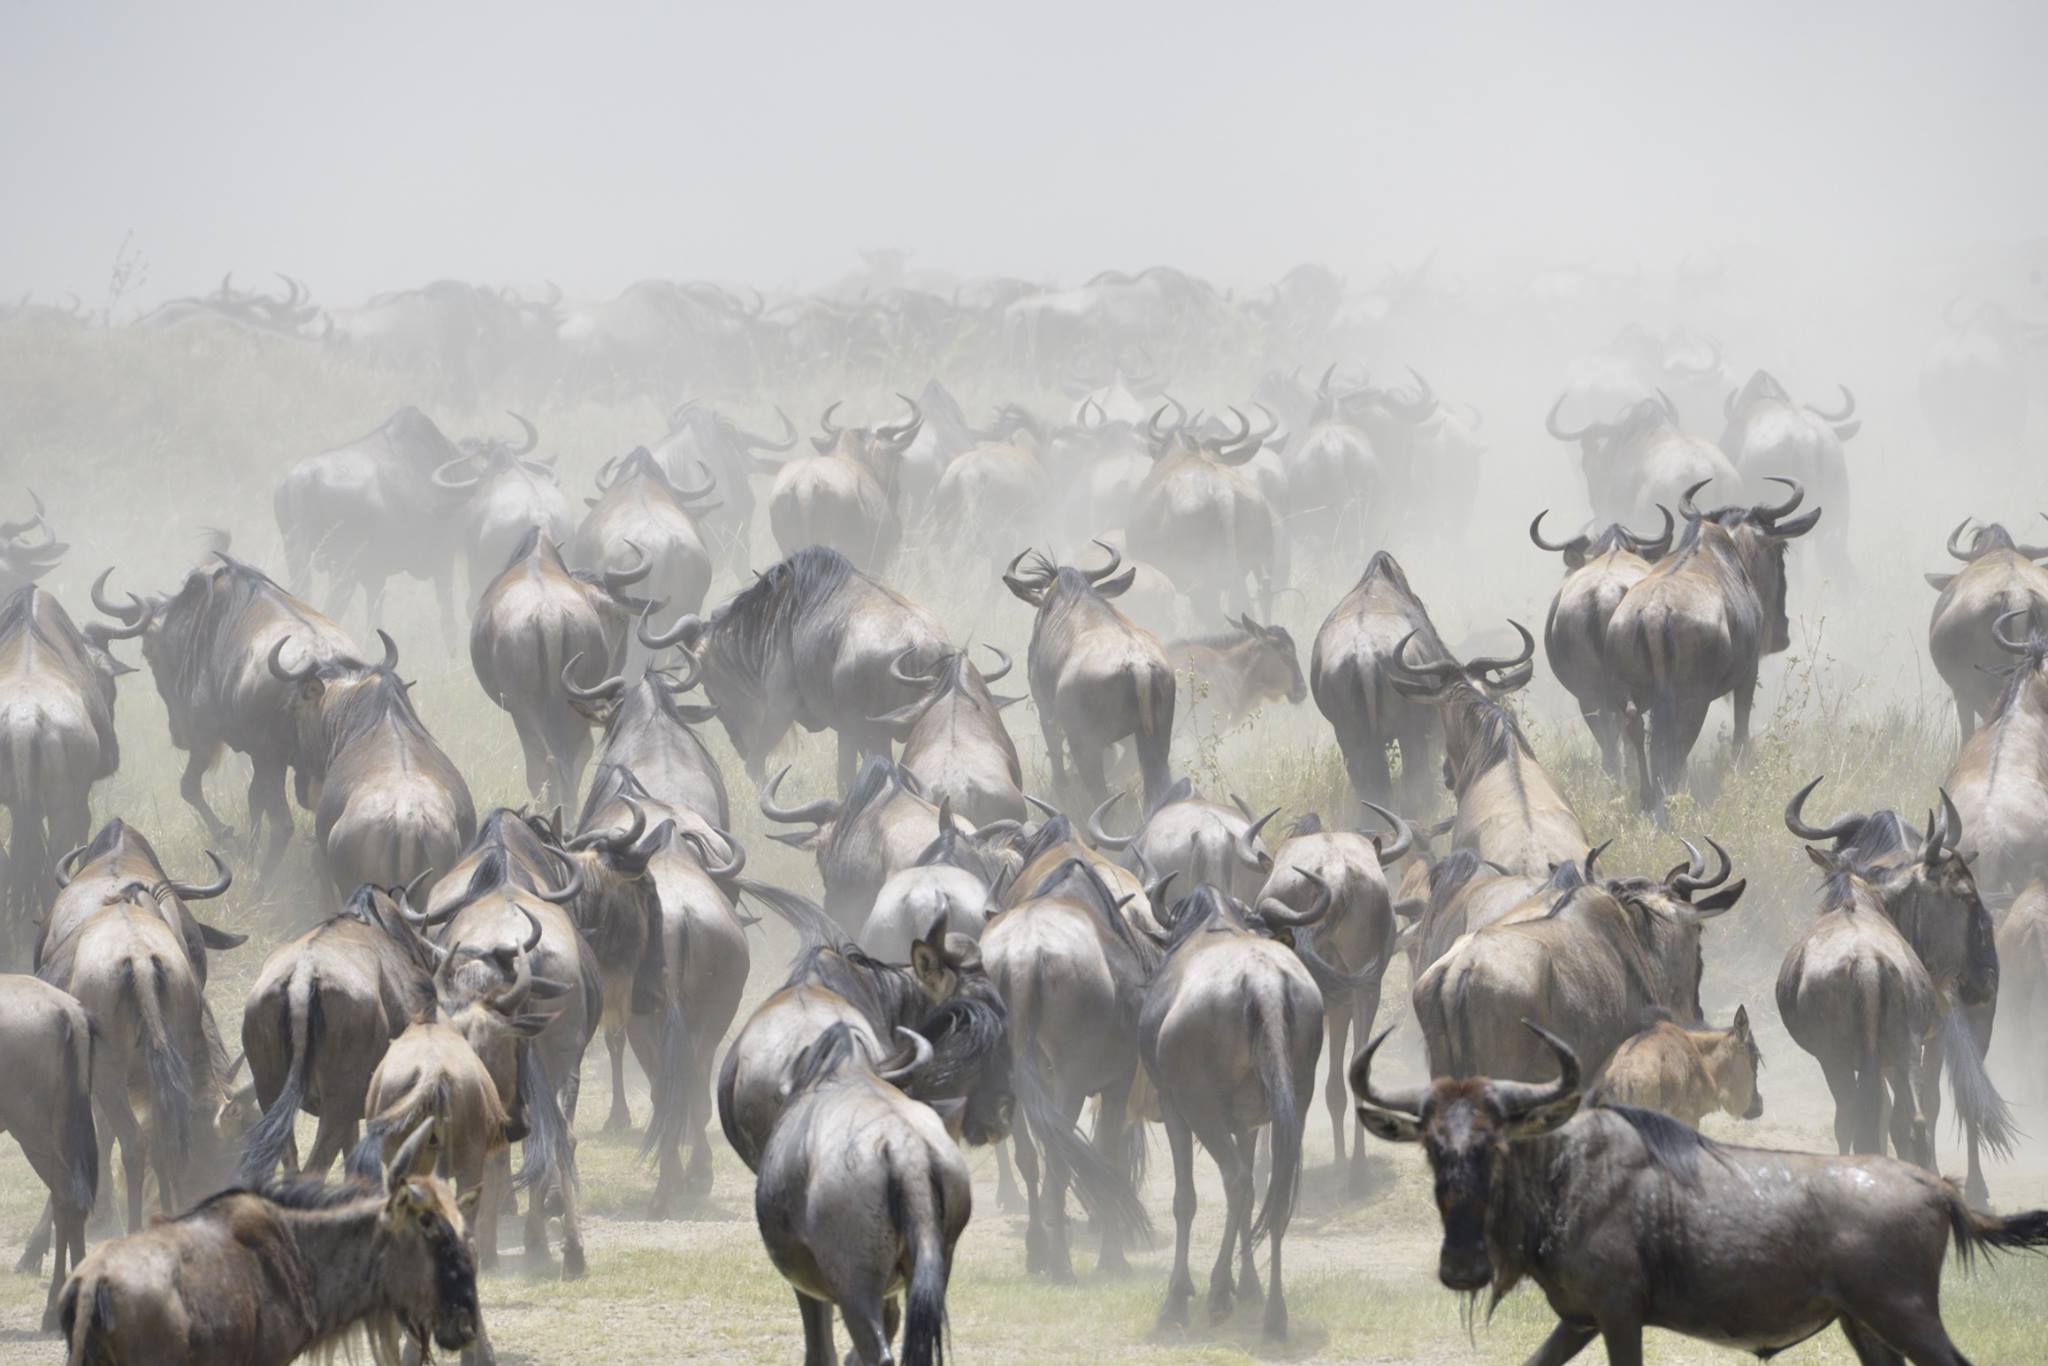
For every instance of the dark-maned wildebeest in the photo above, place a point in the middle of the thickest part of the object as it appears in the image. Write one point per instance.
(1641, 459)
(846, 497)
(648, 732)
(1768, 434)
(1590, 964)
(1197, 840)
(259, 1277)
(1349, 676)
(862, 1195)
(1687, 1071)
(944, 994)
(698, 436)
(207, 645)
(1628, 1219)
(1999, 782)
(813, 642)
(1599, 571)
(56, 740)
(321, 1012)
(388, 803)
(502, 496)
(535, 621)
(1855, 995)
(1202, 520)
(1241, 669)
(1356, 937)
(1511, 812)
(1998, 577)
(1096, 677)
(1698, 626)
(46, 1053)
(1230, 1029)
(641, 519)
(956, 745)
(156, 1044)
(25, 556)
(367, 510)
(1072, 971)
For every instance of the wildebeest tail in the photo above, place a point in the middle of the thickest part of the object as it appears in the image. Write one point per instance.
(170, 1079)
(77, 1137)
(1270, 1039)
(674, 1083)
(1977, 1099)
(300, 1020)
(806, 917)
(1106, 1193)
(546, 1151)
(1977, 1231)
(28, 853)
(1155, 694)
(917, 1206)
(92, 1338)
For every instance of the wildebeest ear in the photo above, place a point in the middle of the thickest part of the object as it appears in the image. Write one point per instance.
(951, 1113)
(928, 965)
(1385, 1124)
(1002, 701)
(1116, 587)
(547, 988)
(1545, 1118)
(1741, 1025)
(468, 1202)
(1822, 859)
(1410, 909)
(1940, 582)
(1720, 900)
(219, 939)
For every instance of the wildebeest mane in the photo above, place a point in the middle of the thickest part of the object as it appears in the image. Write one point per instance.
(1671, 1143)
(1384, 566)
(761, 617)
(202, 623)
(1097, 898)
(1877, 835)
(291, 1192)
(822, 1057)
(1308, 823)
(383, 697)
(1195, 912)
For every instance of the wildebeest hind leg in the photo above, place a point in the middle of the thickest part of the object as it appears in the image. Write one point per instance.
(620, 1119)
(1113, 1135)
(1007, 1195)
(819, 1349)
(1870, 1349)
(1247, 1273)
(1180, 1286)
(1841, 1079)
(192, 787)
(269, 811)
(1565, 1342)
(1910, 1325)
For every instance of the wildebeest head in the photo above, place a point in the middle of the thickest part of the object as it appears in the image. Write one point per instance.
(1465, 1125)
(424, 1257)
(1600, 440)
(1985, 540)
(337, 697)
(616, 899)
(1933, 897)
(1273, 662)
(879, 448)
(1669, 911)
(1468, 694)
(1761, 533)
(1585, 547)
(1042, 581)
(1187, 437)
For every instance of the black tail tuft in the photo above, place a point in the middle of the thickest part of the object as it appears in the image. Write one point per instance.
(264, 1148)
(546, 1151)
(675, 1083)
(1977, 1099)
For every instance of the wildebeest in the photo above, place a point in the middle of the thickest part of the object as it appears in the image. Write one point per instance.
(502, 496)
(1627, 1219)
(1599, 571)
(948, 885)
(861, 1197)
(1349, 676)
(1355, 937)
(1596, 957)
(1974, 383)
(955, 742)
(1998, 578)
(207, 645)
(813, 642)
(56, 738)
(2023, 985)
(995, 492)
(1768, 434)
(1686, 1071)
(1095, 676)
(1072, 971)
(46, 1051)
(1999, 782)
(699, 436)
(534, 622)
(1242, 668)
(1230, 1030)
(116, 862)
(648, 732)
(320, 1014)
(1197, 840)
(1201, 520)
(367, 510)
(844, 498)
(1698, 626)
(1640, 459)
(261, 1276)
(640, 518)
(388, 804)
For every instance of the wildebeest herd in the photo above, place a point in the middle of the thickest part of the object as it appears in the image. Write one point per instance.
(977, 958)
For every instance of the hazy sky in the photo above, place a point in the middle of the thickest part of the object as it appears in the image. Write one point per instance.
(368, 146)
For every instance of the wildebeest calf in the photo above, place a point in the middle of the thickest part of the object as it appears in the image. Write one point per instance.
(1686, 1072)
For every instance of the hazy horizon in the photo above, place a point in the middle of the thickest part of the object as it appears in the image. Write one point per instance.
(372, 151)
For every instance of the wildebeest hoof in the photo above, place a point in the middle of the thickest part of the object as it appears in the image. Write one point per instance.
(1276, 1321)
(1112, 1269)
(1174, 1313)
(619, 1121)
(1220, 1305)
(574, 1268)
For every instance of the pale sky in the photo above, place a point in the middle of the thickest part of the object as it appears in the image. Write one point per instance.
(373, 146)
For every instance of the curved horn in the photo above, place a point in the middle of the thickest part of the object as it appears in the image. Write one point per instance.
(1115, 560)
(532, 940)
(1951, 821)
(825, 423)
(688, 624)
(1248, 841)
(1795, 819)
(617, 581)
(1277, 912)
(903, 431)
(2011, 646)
(567, 892)
(762, 443)
(604, 692)
(920, 1056)
(1101, 838)
(1020, 586)
(1686, 506)
(1848, 407)
(409, 1153)
(532, 435)
(1695, 878)
(203, 891)
(1404, 833)
(717, 872)
(618, 841)
(1152, 428)
(1485, 664)
(1550, 424)
(64, 865)
(135, 612)
(390, 650)
(1592, 857)
(1955, 549)
(1518, 1099)
(904, 676)
(1406, 1100)
(442, 481)
(1767, 513)
(816, 813)
(1412, 410)
(1653, 547)
(1536, 535)
(703, 490)
(278, 670)
(1000, 674)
